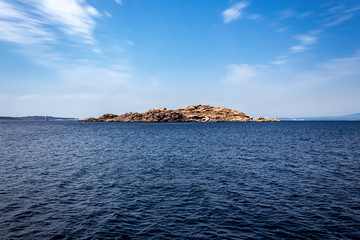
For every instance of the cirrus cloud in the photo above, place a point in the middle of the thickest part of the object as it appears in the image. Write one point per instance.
(47, 21)
(234, 12)
(306, 40)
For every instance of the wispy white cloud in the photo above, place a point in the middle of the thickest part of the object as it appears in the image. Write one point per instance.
(234, 12)
(336, 69)
(130, 42)
(47, 32)
(287, 13)
(280, 60)
(352, 9)
(339, 20)
(95, 77)
(281, 30)
(256, 17)
(237, 74)
(43, 21)
(28, 97)
(336, 14)
(106, 13)
(18, 26)
(336, 8)
(306, 39)
(298, 48)
(304, 15)
(74, 17)
(276, 88)
(343, 66)
(305, 42)
(119, 2)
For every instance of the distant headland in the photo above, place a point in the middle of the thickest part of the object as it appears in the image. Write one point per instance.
(38, 118)
(198, 113)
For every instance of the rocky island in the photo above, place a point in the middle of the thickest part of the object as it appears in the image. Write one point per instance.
(198, 113)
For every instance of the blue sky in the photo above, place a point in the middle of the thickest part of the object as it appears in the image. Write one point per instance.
(83, 58)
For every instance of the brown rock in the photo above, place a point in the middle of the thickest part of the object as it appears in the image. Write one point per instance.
(266, 119)
(206, 113)
(106, 117)
(91, 119)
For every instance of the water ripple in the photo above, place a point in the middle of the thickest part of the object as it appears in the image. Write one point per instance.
(286, 180)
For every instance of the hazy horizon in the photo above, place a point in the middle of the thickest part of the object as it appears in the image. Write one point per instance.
(84, 58)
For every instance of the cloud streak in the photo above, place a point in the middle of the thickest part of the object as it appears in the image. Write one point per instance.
(73, 17)
(287, 13)
(120, 2)
(59, 35)
(305, 42)
(337, 14)
(234, 12)
(18, 26)
(280, 60)
(47, 21)
(95, 77)
(340, 20)
(343, 66)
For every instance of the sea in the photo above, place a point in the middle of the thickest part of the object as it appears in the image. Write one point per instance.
(94, 180)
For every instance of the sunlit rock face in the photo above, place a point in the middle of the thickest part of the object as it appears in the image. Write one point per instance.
(206, 113)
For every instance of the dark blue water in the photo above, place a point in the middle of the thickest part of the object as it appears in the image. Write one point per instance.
(73, 180)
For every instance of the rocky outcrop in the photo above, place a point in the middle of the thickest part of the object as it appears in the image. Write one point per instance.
(153, 115)
(206, 113)
(198, 113)
(106, 117)
(91, 119)
(266, 119)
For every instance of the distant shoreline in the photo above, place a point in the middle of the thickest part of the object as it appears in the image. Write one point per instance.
(37, 118)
